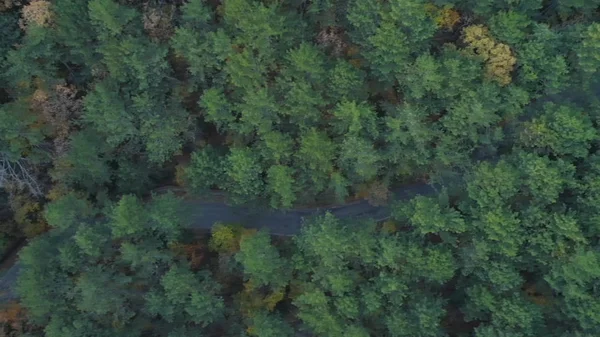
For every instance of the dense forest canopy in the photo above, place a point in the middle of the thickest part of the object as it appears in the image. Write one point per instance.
(285, 104)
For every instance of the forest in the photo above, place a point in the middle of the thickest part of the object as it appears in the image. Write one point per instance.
(118, 116)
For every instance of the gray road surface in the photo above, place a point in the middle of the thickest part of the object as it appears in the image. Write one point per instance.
(286, 223)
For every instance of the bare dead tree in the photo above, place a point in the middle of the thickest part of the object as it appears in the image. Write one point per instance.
(19, 173)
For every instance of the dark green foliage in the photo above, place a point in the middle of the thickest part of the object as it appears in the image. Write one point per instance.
(332, 257)
(206, 170)
(116, 275)
(9, 36)
(282, 104)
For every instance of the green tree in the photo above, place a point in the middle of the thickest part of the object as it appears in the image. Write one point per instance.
(337, 300)
(218, 109)
(429, 216)
(316, 155)
(270, 325)
(407, 24)
(75, 31)
(277, 147)
(106, 110)
(258, 112)
(281, 185)
(68, 211)
(87, 164)
(9, 35)
(562, 130)
(36, 57)
(576, 277)
(346, 82)
(301, 83)
(423, 78)
(127, 256)
(261, 261)
(244, 172)
(543, 63)
(206, 169)
(360, 158)
(112, 20)
(355, 119)
(588, 50)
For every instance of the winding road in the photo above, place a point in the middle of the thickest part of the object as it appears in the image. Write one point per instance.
(281, 223)
(287, 223)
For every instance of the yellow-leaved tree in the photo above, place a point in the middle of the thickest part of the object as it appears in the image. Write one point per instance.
(499, 58)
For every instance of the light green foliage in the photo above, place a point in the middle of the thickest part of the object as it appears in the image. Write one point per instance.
(277, 147)
(185, 297)
(244, 173)
(338, 185)
(245, 70)
(281, 183)
(562, 130)
(388, 56)
(306, 62)
(135, 60)
(261, 261)
(510, 27)
(258, 112)
(164, 133)
(355, 119)
(106, 110)
(423, 77)
(428, 216)
(216, 107)
(302, 102)
(67, 211)
(589, 60)
(112, 19)
(360, 158)
(408, 138)
(316, 155)
(493, 185)
(196, 40)
(545, 179)
(543, 61)
(255, 24)
(196, 13)
(576, 278)
(588, 194)
(474, 112)
(364, 17)
(301, 83)
(316, 151)
(346, 82)
(269, 325)
(403, 32)
(129, 217)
